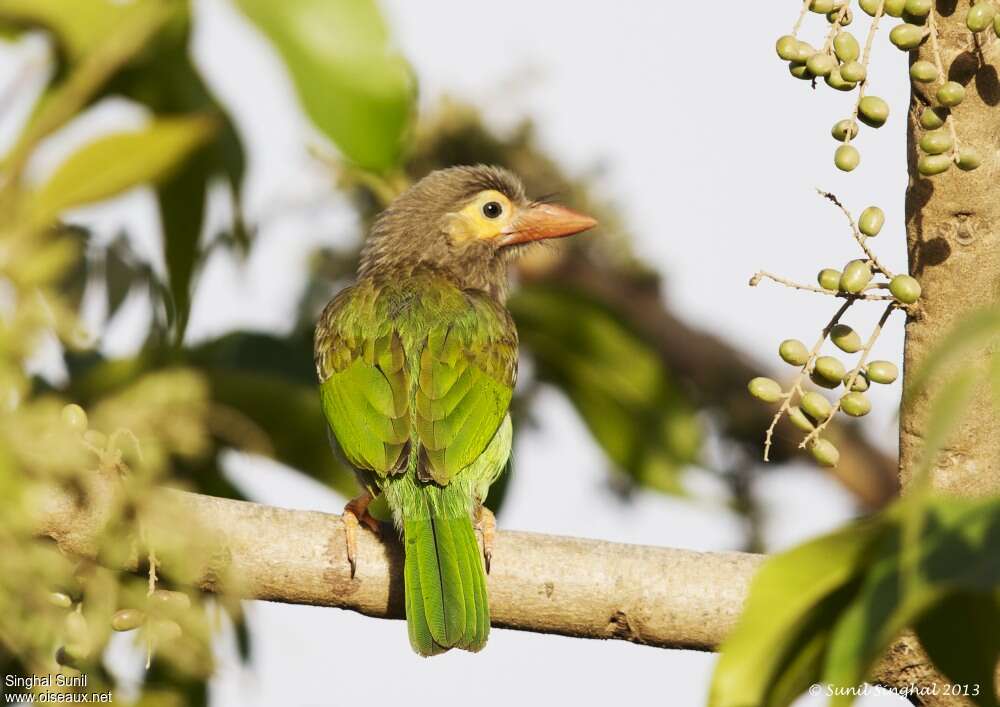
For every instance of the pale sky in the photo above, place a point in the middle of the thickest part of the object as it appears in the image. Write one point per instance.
(712, 152)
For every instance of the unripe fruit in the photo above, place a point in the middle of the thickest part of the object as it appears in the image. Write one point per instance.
(821, 6)
(835, 81)
(846, 158)
(63, 601)
(841, 127)
(799, 71)
(846, 47)
(127, 619)
(951, 93)
(907, 36)
(799, 419)
(905, 288)
(815, 406)
(76, 627)
(830, 370)
(765, 389)
(918, 8)
(852, 71)
(74, 417)
(968, 159)
(871, 220)
(929, 165)
(165, 630)
(845, 339)
(860, 382)
(923, 71)
(794, 352)
(855, 404)
(787, 47)
(935, 142)
(829, 279)
(821, 64)
(894, 8)
(180, 600)
(980, 16)
(847, 18)
(932, 118)
(873, 111)
(825, 453)
(856, 276)
(884, 372)
(803, 50)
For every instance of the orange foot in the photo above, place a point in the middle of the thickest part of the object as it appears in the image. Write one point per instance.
(486, 524)
(354, 512)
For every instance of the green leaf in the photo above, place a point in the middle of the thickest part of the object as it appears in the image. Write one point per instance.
(77, 26)
(975, 330)
(353, 85)
(961, 634)
(117, 162)
(776, 650)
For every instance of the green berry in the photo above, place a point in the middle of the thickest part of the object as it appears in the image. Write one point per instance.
(923, 71)
(830, 370)
(932, 118)
(980, 16)
(918, 8)
(165, 630)
(61, 600)
(835, 81)
(794, 352)
(803, 51)
(799, 71)
(856, 404)
(799, 419)
(845, 339)
(856, 276)
(846, 158)
(907, 36)
(815, 406)
(127, 619)
(76, 627)
(74, 417)
(821, 6)
(936, 141)
(846, 47)
(821, 64)
(884, 372)
(177, 600)
(905, 288)
(829, 279)
(873, 111)
(929, 165)
(968, 159)
(852, 71)
(841, 127)
(860, 382)
(787, 47)
(825, 453)
(847, 19)
(871, 220)
(951, 93)
(895, 8)
(765, 389)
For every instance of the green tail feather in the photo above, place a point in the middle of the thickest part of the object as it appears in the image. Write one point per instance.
(445, 586)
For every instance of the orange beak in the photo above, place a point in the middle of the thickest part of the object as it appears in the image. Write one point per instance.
(543, 221)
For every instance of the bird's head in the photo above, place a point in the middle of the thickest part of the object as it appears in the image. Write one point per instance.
(467, 222)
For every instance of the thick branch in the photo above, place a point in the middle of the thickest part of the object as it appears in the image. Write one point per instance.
(548, 584)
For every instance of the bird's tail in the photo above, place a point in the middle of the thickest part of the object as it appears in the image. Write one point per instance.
(445, 586)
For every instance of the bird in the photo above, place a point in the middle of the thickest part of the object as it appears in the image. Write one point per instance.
(417, 363)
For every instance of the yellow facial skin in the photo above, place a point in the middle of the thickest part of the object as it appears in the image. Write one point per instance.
(473, 223)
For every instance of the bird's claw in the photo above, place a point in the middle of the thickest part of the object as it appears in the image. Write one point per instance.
(486, 525)
(356, 513)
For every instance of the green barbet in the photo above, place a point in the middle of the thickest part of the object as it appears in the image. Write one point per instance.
(417, 363)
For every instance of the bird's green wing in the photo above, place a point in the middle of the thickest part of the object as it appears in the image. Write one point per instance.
(364, 382)
(465, 380)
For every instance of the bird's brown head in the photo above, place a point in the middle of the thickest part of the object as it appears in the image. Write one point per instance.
(467, 222)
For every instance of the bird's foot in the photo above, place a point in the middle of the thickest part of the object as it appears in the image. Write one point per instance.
(486, 524)
(355, 513)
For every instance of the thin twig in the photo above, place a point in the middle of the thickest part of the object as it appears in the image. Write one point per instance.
(802, 16)
(852, 376)
(858, 236)
(865, 56)
(835, 27)
(803, 372)
(763, 274)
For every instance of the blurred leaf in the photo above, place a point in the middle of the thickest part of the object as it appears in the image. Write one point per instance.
(122, 271)
(777, 648)
(974, 330)
(613, 377)
(114, 163)
(356, 89)
(962, 637)
(78, 26)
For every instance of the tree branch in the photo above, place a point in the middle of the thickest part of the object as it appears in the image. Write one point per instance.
(547, 584)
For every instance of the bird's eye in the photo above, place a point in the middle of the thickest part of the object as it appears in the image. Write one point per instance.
(492, 209)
